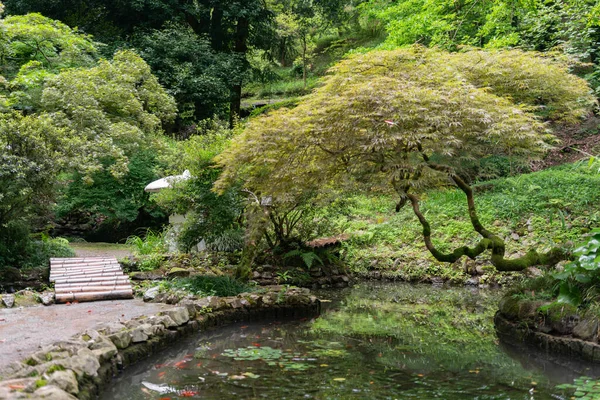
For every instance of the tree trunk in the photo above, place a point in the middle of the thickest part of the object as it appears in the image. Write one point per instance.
(489, 240)
(304, 60)
(241, 47)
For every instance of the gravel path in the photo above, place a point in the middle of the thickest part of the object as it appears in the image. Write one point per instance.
(24, 330)
(101, 250)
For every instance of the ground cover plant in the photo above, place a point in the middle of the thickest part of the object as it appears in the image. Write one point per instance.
(542, 210)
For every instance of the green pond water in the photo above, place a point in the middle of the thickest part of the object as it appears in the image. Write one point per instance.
(374, 341)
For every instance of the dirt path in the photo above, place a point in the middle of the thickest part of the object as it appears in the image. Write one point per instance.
(101, 250)
(24, 330)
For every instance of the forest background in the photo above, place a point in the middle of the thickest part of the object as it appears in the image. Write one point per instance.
(99, 98)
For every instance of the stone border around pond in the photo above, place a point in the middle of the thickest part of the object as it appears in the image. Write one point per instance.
(81, 367)
(517, 333)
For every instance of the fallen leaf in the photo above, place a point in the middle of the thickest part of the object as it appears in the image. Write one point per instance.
(188, 393)
(324, 365)
(89, 311)
(16, 387)
(237, 377)
(180, 364)
(2, 320)
(256, 344)
(68, 303)
(161, 374)
(165, 398)
(244, 327)
(199, 364)
(339, 379)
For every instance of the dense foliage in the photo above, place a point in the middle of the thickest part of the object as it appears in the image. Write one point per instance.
(61, 111)
(405, 120)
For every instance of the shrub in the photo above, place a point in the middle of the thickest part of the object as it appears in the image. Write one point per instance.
(210, 285)
(152, 243)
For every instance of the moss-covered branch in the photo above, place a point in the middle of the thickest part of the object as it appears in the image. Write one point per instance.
(489, 241)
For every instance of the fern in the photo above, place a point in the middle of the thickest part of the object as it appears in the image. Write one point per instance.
(308, 257)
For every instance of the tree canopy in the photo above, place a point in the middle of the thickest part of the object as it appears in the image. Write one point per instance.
(404, 120)
(60, 110)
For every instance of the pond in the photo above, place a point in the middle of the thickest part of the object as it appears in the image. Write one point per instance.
(374, 341)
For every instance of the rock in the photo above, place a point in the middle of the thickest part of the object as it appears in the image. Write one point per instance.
(179, 315)
(586, 330)
(191, 307)
(255, 275)
(87, 362)
(437, 281)
(103, 349)
(479, 270)
(139, 335)
(28, 384)
(47, 298)
(165, 321)
(509, 307)
(72, 346)
(234, 302)
(533, 272)
(26, 298)
(178, 273)
(151, 293)
(161, 298)
(121, 339)
(64, 380)
(316, 272)
(216, 303)
(110, 327)
(267, 275)
(472, 282)
(146, 276)
(515, 236)
(173, 298)
(8, 300)
(53, 393)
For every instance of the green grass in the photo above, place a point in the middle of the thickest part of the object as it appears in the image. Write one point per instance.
(545, 208)
(202, 285)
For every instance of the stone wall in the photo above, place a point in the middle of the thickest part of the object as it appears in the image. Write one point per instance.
(81, 367)
(559, 330)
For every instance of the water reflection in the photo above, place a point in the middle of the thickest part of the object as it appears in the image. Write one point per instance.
(375, 341)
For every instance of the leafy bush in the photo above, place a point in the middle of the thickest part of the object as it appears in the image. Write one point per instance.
(40, 251)
(151, 243)
(114, 207)
(581, 274)
(210, 285)
(14, 244)
(18, 250)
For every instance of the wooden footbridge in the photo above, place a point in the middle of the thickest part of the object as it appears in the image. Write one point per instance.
(89, 279)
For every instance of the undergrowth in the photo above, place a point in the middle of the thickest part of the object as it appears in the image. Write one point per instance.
(537, 210)
(200, 285)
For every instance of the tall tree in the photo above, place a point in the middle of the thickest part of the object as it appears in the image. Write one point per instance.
(231, 26)
(406, 120)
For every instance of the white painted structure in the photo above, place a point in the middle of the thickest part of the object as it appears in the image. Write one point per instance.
(176, 220)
